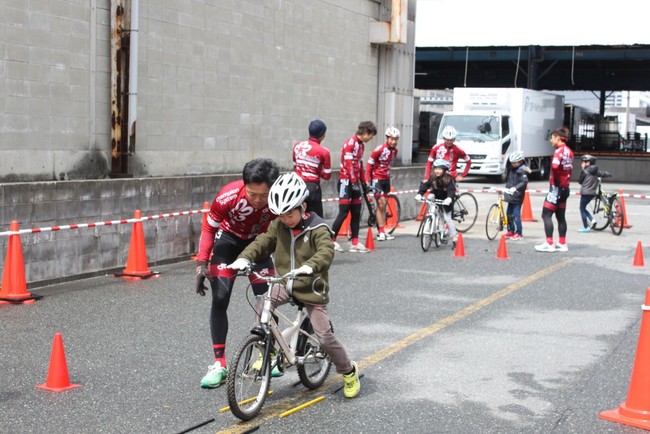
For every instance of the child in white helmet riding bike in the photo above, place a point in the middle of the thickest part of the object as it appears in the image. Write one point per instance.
(301, 243)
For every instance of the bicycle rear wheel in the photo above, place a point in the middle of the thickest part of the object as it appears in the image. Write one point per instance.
(316, 364)
(616, 216)
(247, 386)
(493, 222)
(393, 213)
(426, 234)
(465, 212)
(599, 214)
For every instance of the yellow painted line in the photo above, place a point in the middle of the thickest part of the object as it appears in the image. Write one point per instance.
(245, 401)
(270, 411)
(300, 407)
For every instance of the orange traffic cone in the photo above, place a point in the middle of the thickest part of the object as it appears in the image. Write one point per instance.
(626, 222)
(638, 256)
(635, 411)
(526, 210)
(136, 264)
(206, 205)
(57, 375)
(14, 284)
(459, 252)
(345, 226)
(370, 241)
(503, 251)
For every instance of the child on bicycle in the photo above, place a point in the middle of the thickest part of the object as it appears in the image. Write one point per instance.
(516, 181)
(588, 181)
(443, 187)
(301, 243)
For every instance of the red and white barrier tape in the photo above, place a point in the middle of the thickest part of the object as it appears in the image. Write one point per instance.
(106, 223)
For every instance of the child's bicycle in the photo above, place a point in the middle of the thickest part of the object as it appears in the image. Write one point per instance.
(496, 220)
(249, 376)
(464, 212)
(433, 227)
(607, 210)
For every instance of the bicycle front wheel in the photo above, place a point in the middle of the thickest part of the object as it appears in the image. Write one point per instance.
(426, 234)
(247, 386)
(316, 364)
(493, 222)
(616, 216)
(439, 229)
(393, 213)
(465, 212)
(599, 215)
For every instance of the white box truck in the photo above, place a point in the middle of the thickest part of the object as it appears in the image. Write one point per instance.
(494, 122)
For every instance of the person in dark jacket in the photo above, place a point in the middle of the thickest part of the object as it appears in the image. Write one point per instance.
(588, 181)
(516, 181)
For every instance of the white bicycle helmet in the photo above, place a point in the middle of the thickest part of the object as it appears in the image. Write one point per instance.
(440, 162)
(449, 133)
(289, 191)
(392, 132)
(516, 156)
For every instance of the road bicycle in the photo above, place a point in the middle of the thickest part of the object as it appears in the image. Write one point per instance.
(607, 210)
(393, 209)
(249, 376)
(464, 212)
(433, 224)
(496, 220)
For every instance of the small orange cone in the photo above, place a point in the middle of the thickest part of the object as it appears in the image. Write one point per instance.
(526, 210)
(345, 226)
(503, 251)
(57, 375)
(635, 411)
(626, 223)
(638, 256)
(206, 205)
(460, 247)
(14, 284)
(136, 264)
(370, 241)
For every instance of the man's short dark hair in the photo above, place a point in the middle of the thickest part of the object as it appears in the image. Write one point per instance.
(367, 127)
(261, 171)
(561, 132)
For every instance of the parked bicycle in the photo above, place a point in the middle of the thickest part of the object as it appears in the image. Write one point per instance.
(496, 220)
(393, 211)
(433, 224)
(249, 377)
(607, 210)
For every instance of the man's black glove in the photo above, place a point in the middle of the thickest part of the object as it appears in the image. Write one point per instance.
(366, 189)
(202, 272)
(356, 188)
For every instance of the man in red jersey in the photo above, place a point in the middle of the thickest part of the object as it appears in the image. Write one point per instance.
(447, 150)
(555, 202)
(351, 184)
(378, 173)
(311, 162)
(237, 215)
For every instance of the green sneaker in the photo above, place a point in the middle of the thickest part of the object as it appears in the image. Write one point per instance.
(215, 377)
(276, 372)
(351, 385)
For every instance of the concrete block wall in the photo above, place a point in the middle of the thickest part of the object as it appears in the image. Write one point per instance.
(69, 254)
(219, 83)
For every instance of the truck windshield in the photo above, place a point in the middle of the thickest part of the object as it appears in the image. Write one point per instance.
(473, 127)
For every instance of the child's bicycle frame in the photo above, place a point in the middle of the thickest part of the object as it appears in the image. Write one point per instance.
(607, 210)
(249, 375)
(464, 212)
(433, 226)
(496, 220)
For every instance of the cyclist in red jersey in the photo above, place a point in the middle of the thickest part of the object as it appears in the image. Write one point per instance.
(447, 150)
(237, 215)
(555, 202)
(351, 183)
(311, 161)
(378, 172)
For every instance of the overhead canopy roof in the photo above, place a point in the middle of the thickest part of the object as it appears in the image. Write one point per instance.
(596, 68)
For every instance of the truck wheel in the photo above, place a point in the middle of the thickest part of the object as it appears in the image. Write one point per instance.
(543, 170)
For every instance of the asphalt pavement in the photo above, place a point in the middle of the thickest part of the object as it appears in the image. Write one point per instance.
(535, 343)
